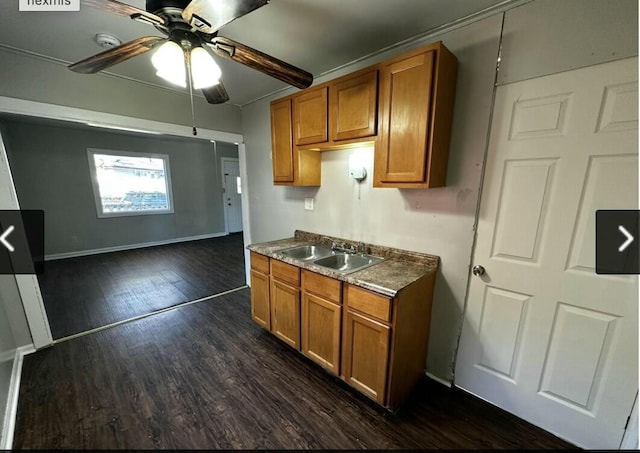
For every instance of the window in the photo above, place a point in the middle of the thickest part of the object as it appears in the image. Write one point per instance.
(129, 184)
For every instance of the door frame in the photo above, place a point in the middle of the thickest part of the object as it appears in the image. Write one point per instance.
(224, 207)
(28, 285)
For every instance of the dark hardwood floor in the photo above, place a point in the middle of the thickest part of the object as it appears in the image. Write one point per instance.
(93, 291)
(205, 376)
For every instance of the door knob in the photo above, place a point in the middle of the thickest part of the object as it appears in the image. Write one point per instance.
(478, 270)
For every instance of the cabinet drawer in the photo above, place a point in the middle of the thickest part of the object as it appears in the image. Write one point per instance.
(327, 287)
(285, 272)
(260, 263)
(367, 302)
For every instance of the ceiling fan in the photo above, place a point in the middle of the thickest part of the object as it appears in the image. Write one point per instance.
(190, 25)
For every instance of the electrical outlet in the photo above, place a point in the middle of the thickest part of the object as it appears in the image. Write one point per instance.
(308, 204)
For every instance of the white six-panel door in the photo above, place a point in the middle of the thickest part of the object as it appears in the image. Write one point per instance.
(544, 336)
(232, 201)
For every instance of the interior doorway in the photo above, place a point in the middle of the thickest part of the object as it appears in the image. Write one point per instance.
(93, 279)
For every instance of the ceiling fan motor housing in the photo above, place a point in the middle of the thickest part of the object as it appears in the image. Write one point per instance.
(153, 6)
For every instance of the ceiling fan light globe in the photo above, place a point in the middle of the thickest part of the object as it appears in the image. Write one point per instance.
(169, 63)
(204, 70)
(168, 54)
(175, 77)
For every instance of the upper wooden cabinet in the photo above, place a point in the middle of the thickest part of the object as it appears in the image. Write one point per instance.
(416, 109)
(404, 106)
(310, 112)
(291, 166)
(281, 141)
(353, 106)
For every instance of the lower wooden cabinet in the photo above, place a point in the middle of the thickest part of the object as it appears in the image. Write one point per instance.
(375, 343)
(365, 354)
(321, 331)
(285, 312)
(260, 306)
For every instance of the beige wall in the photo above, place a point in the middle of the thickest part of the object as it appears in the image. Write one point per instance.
(438, 221)
(32, 78)
(548, 36)
(55, 155)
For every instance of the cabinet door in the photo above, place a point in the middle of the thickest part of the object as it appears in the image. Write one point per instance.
(285, 312)
(281, 141)
(260, 310)
(405, 105)
(354, 107)
(365, 354)
(310, 117)
(321, 331)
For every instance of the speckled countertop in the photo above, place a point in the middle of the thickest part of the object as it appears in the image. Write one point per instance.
(399, 269)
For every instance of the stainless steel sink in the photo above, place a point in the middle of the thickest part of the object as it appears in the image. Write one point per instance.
(346, 263)
(307, 252)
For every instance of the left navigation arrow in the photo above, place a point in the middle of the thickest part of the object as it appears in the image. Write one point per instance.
(3, 238)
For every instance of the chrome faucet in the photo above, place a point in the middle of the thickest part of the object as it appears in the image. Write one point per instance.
(341, 248)
(362, 249)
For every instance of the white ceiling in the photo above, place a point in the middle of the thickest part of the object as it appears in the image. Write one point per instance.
(315, 35)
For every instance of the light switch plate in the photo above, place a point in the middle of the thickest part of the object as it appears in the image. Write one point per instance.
(308, 204)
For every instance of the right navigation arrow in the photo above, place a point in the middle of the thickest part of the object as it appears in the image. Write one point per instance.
(629, 240)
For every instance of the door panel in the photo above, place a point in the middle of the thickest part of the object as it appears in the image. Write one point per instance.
(310, 113)
(365, 355)
(544, 336)
(405, 90)
(282, 141)
(260, 311)
(321, 331)
(285, 312)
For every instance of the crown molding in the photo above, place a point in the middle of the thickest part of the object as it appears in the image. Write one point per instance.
(409, 42)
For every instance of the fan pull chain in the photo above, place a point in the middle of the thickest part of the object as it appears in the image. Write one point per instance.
(187, 57)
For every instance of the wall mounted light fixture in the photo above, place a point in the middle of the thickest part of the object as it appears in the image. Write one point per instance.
(357, 168)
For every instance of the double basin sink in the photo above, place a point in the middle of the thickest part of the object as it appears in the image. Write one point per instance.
(342, 262)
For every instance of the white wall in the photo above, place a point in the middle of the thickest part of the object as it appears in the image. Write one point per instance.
(437, 221)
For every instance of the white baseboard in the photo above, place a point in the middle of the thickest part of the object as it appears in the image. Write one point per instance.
(440, 380)
(119, 248)
(8, 427)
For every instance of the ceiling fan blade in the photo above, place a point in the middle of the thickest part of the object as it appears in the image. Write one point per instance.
(209, 16)
(116, 7)
(262, 62)
(116, 55)
(216, 94)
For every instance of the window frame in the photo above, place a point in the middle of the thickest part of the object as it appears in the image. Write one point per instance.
(91, 152)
